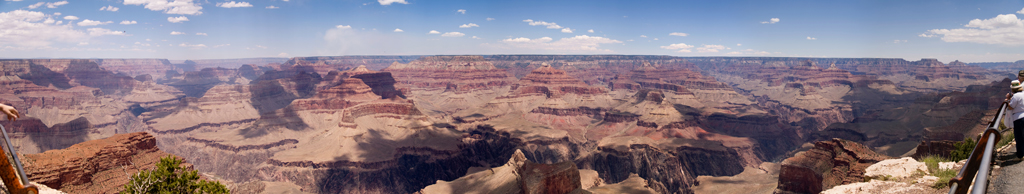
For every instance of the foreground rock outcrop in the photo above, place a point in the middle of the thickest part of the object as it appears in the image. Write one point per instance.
(828, 164)
(519, 175)
(97, 166)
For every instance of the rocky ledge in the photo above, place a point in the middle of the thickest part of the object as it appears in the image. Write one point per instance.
(97, 166)
(826, 165)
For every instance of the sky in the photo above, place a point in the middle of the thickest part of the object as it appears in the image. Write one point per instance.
(969, 31)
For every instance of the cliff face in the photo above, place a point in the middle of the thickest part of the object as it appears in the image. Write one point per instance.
(829, 163)
(97, 166)
(451, 83)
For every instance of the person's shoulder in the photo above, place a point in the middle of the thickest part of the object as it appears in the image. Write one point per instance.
(1018, 94)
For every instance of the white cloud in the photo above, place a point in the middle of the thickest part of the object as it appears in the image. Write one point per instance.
(109, 8)
(1021, 11)
(193, 46)
(643, 36)
(88, 22)
(257, 47)
(474, 37)
(282, 55)
(591, 30)
(681, 47)
(566, 30)
(70, 17)
(577, 43)
(453, 34)
(234, 4)
(1005, 29)
(48, 5)
(343, 27)
(463, 11)
(811, 38)
(36, 5)
(433, 32)
(490, 19)
(272, 7)
(710, 48)
(83, 43)
(550, 25)
(469, 25)
(221, 45)
(678, 34)
(56, 13)
(126, 22)
(389, 2)
(899, 41)
(101, 32)
(26, 29)
(399, 30)
(771, 21)
(177, 33)
(655, 38)
(178, 19)
(739, 44)
(200, 34)
(182, 7)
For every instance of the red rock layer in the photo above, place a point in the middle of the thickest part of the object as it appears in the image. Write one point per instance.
(347, 93)
(552, 82)
(596, 68)
(450, 73)
(97, 166)
(828, 164)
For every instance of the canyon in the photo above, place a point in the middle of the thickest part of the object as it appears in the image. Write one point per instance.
(510, 123)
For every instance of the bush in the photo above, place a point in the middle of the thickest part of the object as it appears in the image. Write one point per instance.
(170, 177)
(963, 149)
(944, 174)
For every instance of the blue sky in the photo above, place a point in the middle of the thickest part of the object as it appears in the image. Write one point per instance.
(972, 31)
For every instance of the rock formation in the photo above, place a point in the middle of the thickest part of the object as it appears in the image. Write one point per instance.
(97, 166)
(449, 84)
(827, 164)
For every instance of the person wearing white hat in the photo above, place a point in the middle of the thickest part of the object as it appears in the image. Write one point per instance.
(1015, 105)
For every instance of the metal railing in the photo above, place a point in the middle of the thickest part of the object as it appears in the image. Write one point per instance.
(980, 161)
(11, 171)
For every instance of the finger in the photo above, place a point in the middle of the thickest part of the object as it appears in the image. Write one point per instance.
(16, 114)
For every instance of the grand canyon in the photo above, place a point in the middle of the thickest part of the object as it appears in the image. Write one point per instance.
(508, 97)
(482, 123)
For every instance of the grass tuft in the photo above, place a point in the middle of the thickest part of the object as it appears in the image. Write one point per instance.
(944, 174)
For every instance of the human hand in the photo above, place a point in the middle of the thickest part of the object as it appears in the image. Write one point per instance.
(12, 114)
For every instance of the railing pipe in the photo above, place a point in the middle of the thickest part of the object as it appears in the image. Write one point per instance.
(986, 162)
(979, 163)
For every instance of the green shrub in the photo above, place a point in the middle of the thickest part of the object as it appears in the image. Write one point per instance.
(170, 177)
(944, 174)
(963, 149)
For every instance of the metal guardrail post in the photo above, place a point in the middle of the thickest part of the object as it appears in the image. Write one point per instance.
(11, 171)
(979, 163)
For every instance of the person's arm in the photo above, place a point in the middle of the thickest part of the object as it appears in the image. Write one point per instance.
(12, 114)
(1014, 102)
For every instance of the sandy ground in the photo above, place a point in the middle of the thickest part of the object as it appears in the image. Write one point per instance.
(751, 180)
